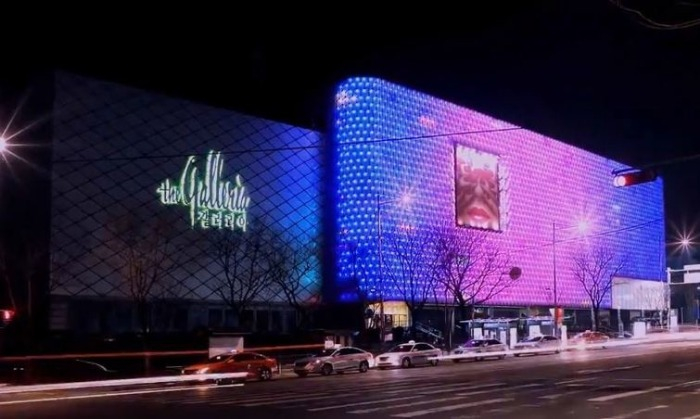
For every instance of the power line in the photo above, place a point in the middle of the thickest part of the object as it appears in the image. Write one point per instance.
(588, 236)
(290, 148)
(652, 24)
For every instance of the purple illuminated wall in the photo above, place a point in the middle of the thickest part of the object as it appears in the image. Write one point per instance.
(391, 141)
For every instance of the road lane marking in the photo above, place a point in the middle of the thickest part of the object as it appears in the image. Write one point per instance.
(628, 394)
(637, 412)
(688, 383)
(691, 417)
(473, 393)
(242, 398)
(450, 408)
(577, 380)
(114, 394)
(343, 406)
(401, 406)
(559, 395)
(436, 388)
(625, 368)
(245, 403)
(586, 372)
(460, 388)
(687, 364)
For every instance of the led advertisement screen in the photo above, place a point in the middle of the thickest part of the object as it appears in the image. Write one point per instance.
(477, 192)
(413, 171)
(159, 198)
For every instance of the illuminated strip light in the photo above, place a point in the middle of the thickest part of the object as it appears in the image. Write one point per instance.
(104, 395)
(152, 354)
(84, 385)
(609, 344)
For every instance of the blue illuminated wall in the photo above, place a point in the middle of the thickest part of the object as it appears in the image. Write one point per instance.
(391, 141)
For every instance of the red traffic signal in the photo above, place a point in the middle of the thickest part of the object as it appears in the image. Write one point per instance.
(634, 178)
(6, 315)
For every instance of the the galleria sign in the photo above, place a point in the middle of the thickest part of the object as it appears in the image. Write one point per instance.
(213, 202)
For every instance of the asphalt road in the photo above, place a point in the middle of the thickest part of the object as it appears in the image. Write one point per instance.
(653, 381)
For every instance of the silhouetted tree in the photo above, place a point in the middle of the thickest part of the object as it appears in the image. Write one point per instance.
(245, 260)
(142, 252)
(410, 253)
(595, 269)
(470, 268)
(292, 268)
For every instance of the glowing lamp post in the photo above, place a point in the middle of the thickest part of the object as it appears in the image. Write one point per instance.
(406, 199)
(684, 244)
(582, 227)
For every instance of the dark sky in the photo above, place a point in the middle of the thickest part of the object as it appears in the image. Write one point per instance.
(584, 72)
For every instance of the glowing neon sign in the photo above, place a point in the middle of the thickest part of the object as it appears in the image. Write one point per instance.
(213, 202)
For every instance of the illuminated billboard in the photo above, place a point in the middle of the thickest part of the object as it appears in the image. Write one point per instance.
(409, 162)
(477, 189)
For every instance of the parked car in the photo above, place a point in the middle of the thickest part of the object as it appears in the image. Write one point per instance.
(408, 355)
(537, 345)
(480, 346)
(256, 366)
(338, 359)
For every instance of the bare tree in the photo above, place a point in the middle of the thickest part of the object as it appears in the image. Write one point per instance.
(245, 260)
(6, 277)
(58, 274)
(19, 277)
(290, 267)
(142, 252)
(410, 251)
(595, 269)
(654, 298)
(470, 268)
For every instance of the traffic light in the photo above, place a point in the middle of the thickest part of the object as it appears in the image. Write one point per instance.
(6, 316)
(634, 178)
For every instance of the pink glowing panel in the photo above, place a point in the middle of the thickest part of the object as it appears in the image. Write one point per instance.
(467, 171)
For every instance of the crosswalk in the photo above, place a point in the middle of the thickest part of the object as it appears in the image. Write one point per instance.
(418, 399)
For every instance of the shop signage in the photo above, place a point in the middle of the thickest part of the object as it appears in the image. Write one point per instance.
(213, 202)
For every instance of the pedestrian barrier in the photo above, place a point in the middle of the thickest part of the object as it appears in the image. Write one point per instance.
(83, 385)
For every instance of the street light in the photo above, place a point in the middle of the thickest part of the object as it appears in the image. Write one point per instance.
(405, 199)
(582, 227)
(3, 144)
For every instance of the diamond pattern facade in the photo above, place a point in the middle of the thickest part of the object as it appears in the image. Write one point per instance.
(114, 145)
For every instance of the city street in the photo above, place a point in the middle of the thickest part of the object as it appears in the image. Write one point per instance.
(650, 381)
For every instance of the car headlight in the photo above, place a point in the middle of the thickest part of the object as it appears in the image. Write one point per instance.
(203, 370)
(318, 361)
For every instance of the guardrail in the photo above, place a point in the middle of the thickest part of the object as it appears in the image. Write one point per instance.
(121, 383)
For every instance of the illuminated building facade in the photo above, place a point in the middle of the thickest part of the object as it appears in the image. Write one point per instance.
(136, 173)
(178, 206)
(411, 161)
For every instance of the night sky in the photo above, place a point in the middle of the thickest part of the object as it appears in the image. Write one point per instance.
(584, 72)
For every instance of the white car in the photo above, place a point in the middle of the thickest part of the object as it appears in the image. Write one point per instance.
(480, 346)
(536, 345)
(408, 355)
